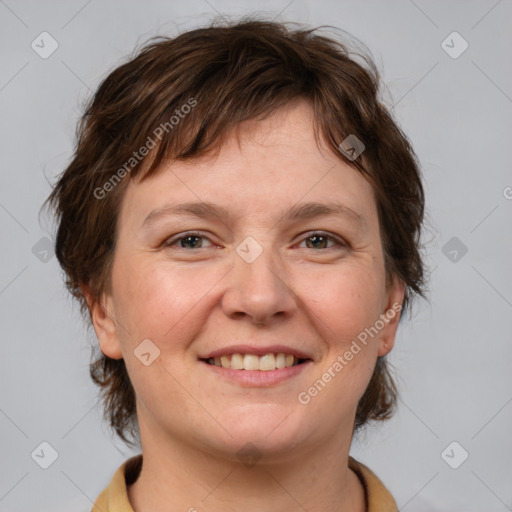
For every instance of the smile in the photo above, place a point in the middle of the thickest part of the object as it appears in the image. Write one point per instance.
(252, 362)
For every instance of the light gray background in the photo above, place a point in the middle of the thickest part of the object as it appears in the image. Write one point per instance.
(454, 358)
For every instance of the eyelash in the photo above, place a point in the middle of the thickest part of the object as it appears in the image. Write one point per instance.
(170, 242)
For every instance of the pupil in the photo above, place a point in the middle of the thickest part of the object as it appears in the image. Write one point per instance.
(189, 238)
(317, 238)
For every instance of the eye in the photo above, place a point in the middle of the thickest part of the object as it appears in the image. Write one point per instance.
(315, 240)
(187, 241)
(319, 240)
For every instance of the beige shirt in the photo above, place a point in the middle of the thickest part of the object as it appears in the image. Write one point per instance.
(115, 497)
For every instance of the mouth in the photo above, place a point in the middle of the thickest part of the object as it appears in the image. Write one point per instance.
(254, 362)
(257, 366)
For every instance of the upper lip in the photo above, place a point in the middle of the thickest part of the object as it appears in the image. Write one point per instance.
(257, 350)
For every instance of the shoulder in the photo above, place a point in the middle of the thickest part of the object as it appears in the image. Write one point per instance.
(379, 499)
(115, 496)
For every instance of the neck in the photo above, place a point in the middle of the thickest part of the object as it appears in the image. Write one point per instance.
(178, 476)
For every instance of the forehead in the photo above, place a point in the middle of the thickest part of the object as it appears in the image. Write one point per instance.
(262, 165)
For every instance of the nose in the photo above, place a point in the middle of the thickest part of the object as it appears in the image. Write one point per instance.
(259, 290)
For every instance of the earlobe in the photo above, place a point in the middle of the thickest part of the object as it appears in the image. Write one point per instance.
(104, 323)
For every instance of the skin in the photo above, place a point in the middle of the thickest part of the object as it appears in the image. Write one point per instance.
(194, 299)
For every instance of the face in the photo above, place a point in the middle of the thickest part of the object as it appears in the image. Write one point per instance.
(227, 261)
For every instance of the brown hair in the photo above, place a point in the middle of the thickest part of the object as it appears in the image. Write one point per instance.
(227, 73)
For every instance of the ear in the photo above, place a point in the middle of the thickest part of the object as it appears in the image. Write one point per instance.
(102, 315)
(390, 316)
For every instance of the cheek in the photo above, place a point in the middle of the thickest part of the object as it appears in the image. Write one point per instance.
(158, 302)
(345, 301)
(346, 306)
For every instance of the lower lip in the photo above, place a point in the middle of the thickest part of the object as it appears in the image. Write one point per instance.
(258, 378)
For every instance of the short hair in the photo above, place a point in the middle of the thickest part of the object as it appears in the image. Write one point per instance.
(179, 98)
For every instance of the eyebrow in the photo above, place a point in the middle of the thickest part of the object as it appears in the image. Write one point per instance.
(302, 211)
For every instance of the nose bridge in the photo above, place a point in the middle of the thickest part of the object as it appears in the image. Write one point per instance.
(257, 286)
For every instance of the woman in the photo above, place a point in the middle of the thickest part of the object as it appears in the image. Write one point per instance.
(241, 220)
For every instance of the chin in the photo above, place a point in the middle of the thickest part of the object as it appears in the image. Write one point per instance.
(269, 438)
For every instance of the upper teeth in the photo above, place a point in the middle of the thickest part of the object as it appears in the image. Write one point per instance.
(254, 362)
